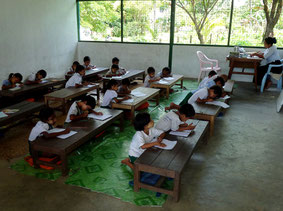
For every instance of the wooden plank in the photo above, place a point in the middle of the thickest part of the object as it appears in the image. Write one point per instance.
(229, 85)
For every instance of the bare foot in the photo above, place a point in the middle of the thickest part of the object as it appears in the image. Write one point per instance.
(127, 162)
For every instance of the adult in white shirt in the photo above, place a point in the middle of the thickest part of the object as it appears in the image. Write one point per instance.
(269, 56)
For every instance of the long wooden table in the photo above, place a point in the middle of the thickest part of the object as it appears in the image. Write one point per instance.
(62, 147)
(25, 110)
(63, 95)
(236, 62)
(131, 74)
(98, 70)
(26, 89)
(170, 83)
(150, 93)
(169, 163)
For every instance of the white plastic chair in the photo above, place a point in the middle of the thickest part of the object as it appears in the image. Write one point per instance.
(204, 62)
(279, 81)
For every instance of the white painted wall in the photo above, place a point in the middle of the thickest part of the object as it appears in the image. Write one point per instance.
(141, 56)
(37, 35)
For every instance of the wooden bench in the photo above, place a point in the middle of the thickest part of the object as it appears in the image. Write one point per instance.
(131, 74)
(92, 73)
(25, 110)
(138, 101)
(62, 147)
(229, 86)
(170, 83)
(27, 89)
(169, 163)
(63, 95)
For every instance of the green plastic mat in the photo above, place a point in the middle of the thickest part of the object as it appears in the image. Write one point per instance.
(97, 164)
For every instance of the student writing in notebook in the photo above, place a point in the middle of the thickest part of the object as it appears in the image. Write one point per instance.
(36, 78)
(151, 77)
(77, 79)
(12, 81)
(124, 87)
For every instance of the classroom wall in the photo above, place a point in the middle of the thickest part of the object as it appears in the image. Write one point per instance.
(37, 35)
(141, 56)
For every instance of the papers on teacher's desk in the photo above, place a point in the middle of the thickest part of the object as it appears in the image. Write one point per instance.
(168, 78)
(169, 144)
(218, 103)
(3, 115)
(184, 133)
(162, 82)
(58, 130)
(137, 93)
(99, 117)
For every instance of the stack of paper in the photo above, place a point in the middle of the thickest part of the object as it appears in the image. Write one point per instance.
(218, 103)
(184, 133)
(100, 117)
(169, 144)
(3, 115)
(58, 130)
(168, 78)
(162, 82)
(137, 93)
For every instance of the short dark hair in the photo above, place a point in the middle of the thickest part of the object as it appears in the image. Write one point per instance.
(17, 75)
(126, 81)
(188, 110)
(115, 59)
(167, 69)
(111, 83)
(220, 79)
(76, 63)
(150, 70)
(217, 90)
(45, 113)
(86, 58)
(270, 40)
(141, 120)
(43, 73)
(114, 66)
(89, 101)
(212, 73)
(79, 68)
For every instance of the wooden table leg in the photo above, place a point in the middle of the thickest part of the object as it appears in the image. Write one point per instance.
(255, 74)
(98, 95)
(64, 106)
(176, 189)
(46, 101)
(35, 157)
(211, 125)
(157, 100)
(132, 113)
(167, 92)
(182, 83)
(64, 164)
(231, 69)
(136, 178)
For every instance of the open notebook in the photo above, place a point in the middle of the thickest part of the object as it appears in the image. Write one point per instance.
(169, 144)
(57, 130)
(184, 133)
(100, 117)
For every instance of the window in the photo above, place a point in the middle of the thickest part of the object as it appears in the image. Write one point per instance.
(147, 21)
(100, 20)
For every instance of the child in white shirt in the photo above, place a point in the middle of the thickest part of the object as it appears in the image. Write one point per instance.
(72, 69)
(87, 64)
(115, 71)
(211, 75)
(176, 120)
(143, 138)
(47, 122)
(150, 78)
(81, 109)
(77, 79)
(116, 61)
(166, 72)
(36, 78)
(111, 95)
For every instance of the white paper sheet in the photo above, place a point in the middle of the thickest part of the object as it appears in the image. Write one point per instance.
(99, 117)
(137, 93)
(168, 78)
(58, 130)
(226, 97)
(162, 82)
(3, 115)
(128, 101)
(90, 85)
(169, 144)
(184, 133)
(218, 103)
(117, 77)
(15, 88)
(44, 81)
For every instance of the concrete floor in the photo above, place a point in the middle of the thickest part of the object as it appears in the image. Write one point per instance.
(241, 168)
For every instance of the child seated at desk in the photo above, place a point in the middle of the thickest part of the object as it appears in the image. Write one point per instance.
(36, 78)
(80, 109)
(150, 78)
(201, 96)
(47, 122)
(211, 75)
(12, 81)
(77, 79)
(116, 61)
(115, 71)
(87, 64)
(111, 95)
(143, 138)
(165, 73)
(124, 87)
(72, 69)
(219, 81)
(176, 120)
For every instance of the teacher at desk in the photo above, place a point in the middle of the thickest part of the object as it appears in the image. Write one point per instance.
(269, 56)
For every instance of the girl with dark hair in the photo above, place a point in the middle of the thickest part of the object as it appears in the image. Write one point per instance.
(11, 82)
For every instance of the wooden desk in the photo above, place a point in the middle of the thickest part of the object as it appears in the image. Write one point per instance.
(98, 70)
(169, 85)
(169, 163)
(26, 89)
(150, 93)
(130, 75)
(235, 62)
(62, 147)
(25, 110)
(63, 95)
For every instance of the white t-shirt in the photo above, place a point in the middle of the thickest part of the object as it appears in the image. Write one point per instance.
(74, 110)
(201, 94)
(270, 55)
(146, 80)
(75, 79)
(31, 77)
(140, 138)
(169, 121)
(108, 97)
(37, 130)
(118, 72)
